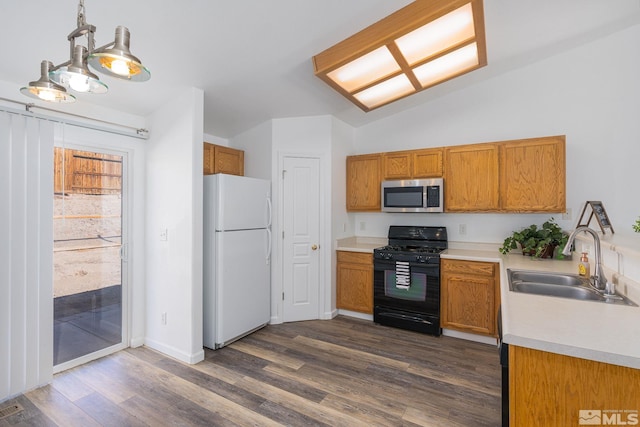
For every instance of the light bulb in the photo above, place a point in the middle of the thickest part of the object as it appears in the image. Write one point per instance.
(79, 83)
(120, 67)
(47, 95)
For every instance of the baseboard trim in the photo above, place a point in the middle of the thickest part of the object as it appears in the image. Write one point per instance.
(136, 342)
(470, 337)
(355, 314)
(191, 359)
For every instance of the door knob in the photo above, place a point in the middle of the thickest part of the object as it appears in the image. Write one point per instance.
(314, 247)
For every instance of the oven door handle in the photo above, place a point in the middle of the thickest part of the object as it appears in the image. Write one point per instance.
(404, 317)
(386, 265)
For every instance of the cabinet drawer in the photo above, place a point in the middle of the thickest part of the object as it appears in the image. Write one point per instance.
(355, 257)
(468, 267)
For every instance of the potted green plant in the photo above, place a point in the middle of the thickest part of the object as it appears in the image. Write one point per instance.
(636, 226)
(539, 242)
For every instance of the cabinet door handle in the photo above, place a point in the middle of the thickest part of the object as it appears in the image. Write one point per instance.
(314, 247)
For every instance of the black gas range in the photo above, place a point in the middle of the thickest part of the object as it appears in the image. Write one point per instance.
(406, 278)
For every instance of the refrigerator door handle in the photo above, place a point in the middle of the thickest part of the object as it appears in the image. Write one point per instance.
(268, 258)
(269, 210)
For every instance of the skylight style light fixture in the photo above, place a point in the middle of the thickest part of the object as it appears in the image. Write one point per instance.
(113, 59)
(417, 47)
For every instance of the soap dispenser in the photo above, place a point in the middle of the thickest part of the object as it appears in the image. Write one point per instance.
(583, 266)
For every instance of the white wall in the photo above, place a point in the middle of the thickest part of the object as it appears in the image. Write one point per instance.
(257, 145)
(212, 139)
(590, 94)
(174, 203)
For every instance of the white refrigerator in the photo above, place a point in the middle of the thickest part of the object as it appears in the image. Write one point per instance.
(237, 251)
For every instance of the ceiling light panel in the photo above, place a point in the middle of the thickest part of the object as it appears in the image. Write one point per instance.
(385, 92)
(447, 66)
(450, 30)
(365, 70)
(416, 47)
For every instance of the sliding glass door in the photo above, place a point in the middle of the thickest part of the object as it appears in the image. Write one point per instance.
(89, 314)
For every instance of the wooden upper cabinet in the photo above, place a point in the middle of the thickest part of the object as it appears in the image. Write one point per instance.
(526, 175)
(471, 178)
(363, 182)
(427, 163)
(397, 165)
(219, 159)
(412, 164)
(208, 159)
(532, 175)
(229, 160)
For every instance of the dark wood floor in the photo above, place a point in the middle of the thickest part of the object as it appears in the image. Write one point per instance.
(342, 372)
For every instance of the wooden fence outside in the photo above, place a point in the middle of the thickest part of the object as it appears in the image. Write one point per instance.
(86, 172)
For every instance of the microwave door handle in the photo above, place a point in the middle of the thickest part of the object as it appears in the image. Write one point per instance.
(425, 196)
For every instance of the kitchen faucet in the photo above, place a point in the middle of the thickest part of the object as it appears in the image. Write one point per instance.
(599, 279)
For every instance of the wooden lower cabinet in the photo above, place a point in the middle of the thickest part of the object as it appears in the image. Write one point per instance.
(354, 281)
(469, 296)
(548, 389)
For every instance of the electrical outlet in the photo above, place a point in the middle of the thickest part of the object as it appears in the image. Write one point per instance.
(163, 318)
(462, 229)
(567, 215)
(363, 225)
(164, 235)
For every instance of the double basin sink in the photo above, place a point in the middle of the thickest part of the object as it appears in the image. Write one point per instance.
(563, 285)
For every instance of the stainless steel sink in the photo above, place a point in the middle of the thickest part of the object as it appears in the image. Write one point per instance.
(561, 285)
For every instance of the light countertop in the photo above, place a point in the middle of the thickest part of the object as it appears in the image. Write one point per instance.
(584, 329)
(360, 244)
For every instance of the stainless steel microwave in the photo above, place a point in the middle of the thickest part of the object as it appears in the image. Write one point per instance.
(412, 195)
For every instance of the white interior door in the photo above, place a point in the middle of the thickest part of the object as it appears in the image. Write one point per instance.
(301, 249)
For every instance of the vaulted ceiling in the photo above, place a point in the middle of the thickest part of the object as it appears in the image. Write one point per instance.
(252, 58)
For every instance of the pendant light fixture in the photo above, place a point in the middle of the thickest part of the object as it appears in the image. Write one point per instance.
(45, 89)
(113, 59)
(77, 76)
(413, 49)
(118, 60)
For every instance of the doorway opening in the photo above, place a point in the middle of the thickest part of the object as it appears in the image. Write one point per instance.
(88, 253)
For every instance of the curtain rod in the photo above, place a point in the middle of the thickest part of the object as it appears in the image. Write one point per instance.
(139, 132)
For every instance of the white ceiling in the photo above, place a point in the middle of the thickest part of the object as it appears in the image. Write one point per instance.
(252, 58)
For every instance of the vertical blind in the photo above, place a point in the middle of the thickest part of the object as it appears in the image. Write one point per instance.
(26, 253)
